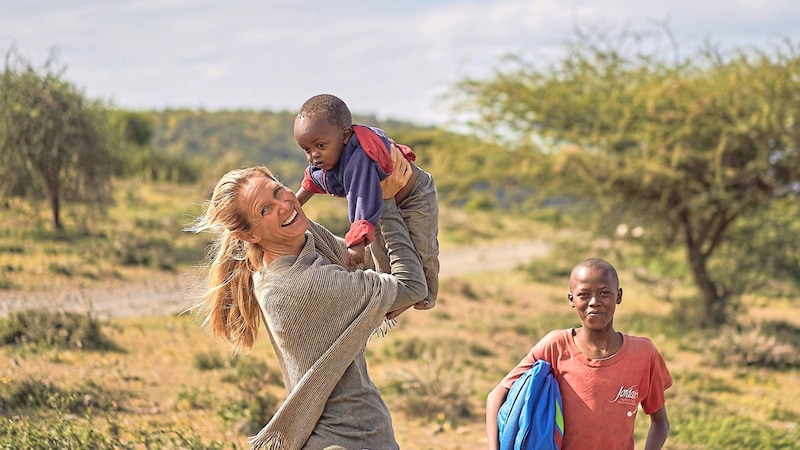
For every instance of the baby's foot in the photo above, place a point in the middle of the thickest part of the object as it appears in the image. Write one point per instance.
(425, 304)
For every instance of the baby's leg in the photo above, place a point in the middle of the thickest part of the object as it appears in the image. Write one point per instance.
(420, 211)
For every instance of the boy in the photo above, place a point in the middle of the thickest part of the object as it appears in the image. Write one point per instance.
(347, 160)
(603, 374)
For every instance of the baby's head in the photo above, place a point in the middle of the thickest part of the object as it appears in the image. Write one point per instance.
(322, 128)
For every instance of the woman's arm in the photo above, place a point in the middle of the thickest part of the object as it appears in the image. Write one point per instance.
(403, 258)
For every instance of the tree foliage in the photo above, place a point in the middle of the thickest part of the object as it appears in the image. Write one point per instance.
(54, 143)
(690, 148)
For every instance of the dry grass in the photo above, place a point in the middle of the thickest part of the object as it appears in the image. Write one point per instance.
(458, 351)
(170, 375)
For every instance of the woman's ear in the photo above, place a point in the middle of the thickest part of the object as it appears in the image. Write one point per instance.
(247, 236)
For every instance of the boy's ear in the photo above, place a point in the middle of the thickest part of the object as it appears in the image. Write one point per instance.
(346, 134)
(619, 296)
(247, 236)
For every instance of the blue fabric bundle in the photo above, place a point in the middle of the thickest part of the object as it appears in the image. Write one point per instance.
(532, 415)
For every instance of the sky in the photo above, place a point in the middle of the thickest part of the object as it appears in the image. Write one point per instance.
(391, 58)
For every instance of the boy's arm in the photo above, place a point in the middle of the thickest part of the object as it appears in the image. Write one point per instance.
(659, 428)
(494, 401)
(303, 195)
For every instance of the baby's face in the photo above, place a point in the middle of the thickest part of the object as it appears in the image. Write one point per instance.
(322, 141)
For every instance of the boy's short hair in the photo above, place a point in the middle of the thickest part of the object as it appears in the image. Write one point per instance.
(333, 107)
(600, 264)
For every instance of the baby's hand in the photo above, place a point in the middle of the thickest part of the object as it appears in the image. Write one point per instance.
(355, 255)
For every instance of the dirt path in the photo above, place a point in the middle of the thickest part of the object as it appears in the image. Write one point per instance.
(168, 293)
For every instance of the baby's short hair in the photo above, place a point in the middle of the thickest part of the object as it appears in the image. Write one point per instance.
(333, 107)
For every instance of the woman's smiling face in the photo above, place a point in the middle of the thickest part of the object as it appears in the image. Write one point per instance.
(276, 218)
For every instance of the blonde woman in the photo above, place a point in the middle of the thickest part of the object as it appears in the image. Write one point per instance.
(271, 264)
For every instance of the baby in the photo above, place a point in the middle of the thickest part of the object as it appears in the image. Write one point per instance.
(347, 160)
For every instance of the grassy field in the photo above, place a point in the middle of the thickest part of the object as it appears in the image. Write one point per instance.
(160, 382)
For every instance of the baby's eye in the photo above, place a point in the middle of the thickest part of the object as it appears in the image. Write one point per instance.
(321, 146)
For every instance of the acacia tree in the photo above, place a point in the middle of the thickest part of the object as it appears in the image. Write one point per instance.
(53, 141)
(689, 146)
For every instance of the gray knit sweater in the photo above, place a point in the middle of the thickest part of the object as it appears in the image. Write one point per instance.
(319, 316)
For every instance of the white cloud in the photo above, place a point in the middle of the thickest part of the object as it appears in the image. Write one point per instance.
(388, 58)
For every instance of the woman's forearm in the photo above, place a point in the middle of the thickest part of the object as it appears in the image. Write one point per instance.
(403, 258)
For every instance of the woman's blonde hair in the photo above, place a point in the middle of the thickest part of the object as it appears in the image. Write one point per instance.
(228, 305)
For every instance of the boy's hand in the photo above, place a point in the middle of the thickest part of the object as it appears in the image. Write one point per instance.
(355, 255)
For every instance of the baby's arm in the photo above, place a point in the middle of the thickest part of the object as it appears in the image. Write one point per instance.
(303, 195)
(659, 428)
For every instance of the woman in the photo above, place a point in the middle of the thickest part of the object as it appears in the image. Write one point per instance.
(271, 264)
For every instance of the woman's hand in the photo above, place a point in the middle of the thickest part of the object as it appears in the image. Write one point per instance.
(400, 175)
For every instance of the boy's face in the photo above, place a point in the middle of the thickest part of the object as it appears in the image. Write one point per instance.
(322, 141)
(595, 295)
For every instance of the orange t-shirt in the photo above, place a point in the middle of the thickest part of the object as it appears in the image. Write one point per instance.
(601, 397)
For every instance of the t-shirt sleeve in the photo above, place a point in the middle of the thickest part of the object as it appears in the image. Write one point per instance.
(362, 181)
(526, 363)
(544, 349)
(660, 381)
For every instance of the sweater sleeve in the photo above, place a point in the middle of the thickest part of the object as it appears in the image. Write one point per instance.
(362, 183)
(404, 261)
(310, 184)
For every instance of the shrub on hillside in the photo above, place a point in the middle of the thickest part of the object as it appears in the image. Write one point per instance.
(761, 345)
(86, 432)
(54, 329)
(148, 252)
(436, 389)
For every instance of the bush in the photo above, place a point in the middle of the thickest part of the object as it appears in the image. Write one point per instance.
(65, 432)
(148, 252)
(754, 345)
(703, 429)
(436, 389)
(54, 329)
(209, 361)
(255, 405)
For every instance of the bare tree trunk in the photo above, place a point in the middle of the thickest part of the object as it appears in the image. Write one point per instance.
(715, 299)
(714, 303)
(55, 204)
